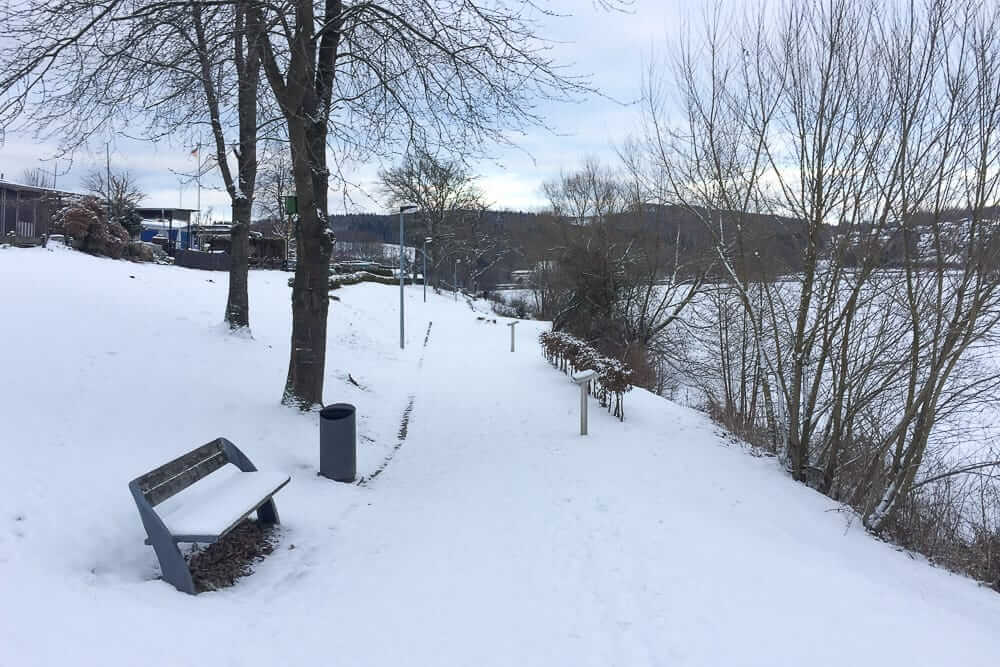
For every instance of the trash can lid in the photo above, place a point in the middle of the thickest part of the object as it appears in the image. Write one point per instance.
(337, 411)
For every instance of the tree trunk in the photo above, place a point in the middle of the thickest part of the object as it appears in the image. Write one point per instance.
(238, 303)
(310, 291)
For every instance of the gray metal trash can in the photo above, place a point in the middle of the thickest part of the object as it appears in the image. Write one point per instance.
(338, 458)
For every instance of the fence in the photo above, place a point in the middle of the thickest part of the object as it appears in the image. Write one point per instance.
(206, 261)
(25, 230)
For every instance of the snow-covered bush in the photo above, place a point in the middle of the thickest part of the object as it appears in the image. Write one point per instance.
(518, 306)
(83, 219)
(570, 354)
(339, 280)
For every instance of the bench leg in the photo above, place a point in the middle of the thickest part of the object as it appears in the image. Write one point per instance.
(172, 564)
(268, 513)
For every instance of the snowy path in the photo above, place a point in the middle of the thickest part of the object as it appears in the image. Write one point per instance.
(494, 536)
(500, 537)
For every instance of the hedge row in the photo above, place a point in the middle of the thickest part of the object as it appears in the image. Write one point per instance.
(341, 279)
(570, 354)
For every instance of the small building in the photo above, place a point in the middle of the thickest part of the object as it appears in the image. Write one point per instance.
(27, 211)
(171, 225)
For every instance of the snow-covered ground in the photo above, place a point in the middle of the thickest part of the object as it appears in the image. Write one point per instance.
(495, 536)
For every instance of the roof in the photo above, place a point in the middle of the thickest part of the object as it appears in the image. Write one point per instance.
(32, 188)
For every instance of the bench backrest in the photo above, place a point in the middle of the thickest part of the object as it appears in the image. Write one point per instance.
(173, 477)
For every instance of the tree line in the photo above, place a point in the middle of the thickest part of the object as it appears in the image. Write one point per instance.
(841, 308)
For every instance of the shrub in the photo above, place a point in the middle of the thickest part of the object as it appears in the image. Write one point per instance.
(84, 220)
(614, 378)
(339, 280)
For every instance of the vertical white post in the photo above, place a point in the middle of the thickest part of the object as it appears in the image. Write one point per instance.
(583, 378)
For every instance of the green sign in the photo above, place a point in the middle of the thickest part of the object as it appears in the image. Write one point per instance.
(291, 204)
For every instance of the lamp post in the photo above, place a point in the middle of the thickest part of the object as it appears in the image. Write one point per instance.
(406, 208)
(455, 278)
(427, 240)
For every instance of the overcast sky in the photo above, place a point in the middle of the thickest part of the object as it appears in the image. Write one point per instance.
(610, 47)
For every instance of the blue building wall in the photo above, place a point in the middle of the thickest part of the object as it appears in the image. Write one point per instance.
(178, 237)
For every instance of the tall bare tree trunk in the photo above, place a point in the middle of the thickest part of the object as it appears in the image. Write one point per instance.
(310, 290)
(238, 302)
(246, 56)
(248, 69)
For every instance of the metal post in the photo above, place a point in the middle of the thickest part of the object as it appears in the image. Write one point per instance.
(197, 173)
(425, 270)
(583, 378)
(107, 162)
(406, 208)
(512, 325)
(401, 279)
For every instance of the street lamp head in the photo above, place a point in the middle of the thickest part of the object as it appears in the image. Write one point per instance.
(408, 208)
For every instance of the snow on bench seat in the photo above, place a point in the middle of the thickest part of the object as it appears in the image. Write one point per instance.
(206, 511)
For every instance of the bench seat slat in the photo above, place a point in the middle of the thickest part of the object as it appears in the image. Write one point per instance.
(197, 515)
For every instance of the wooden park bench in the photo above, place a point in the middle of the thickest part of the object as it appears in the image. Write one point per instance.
(205, 513)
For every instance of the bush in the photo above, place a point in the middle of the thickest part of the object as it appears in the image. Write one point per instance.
(84, 221)
(141, 251)
(342, 279)
(569, 354)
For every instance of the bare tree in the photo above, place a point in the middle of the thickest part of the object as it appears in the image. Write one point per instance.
(37, 177)
(869, 139)
(121, 195)
(449, 203)
(361, 78)
(241, 39)
(275, 183)
(357, 79)
(619, 277)
(75, 70)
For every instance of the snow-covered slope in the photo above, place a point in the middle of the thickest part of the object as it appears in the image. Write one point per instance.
(495, 536)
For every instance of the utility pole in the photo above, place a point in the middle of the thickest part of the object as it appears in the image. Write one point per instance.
(107, 162)
(198, 178)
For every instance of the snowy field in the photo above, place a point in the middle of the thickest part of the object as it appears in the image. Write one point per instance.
(495, 535)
